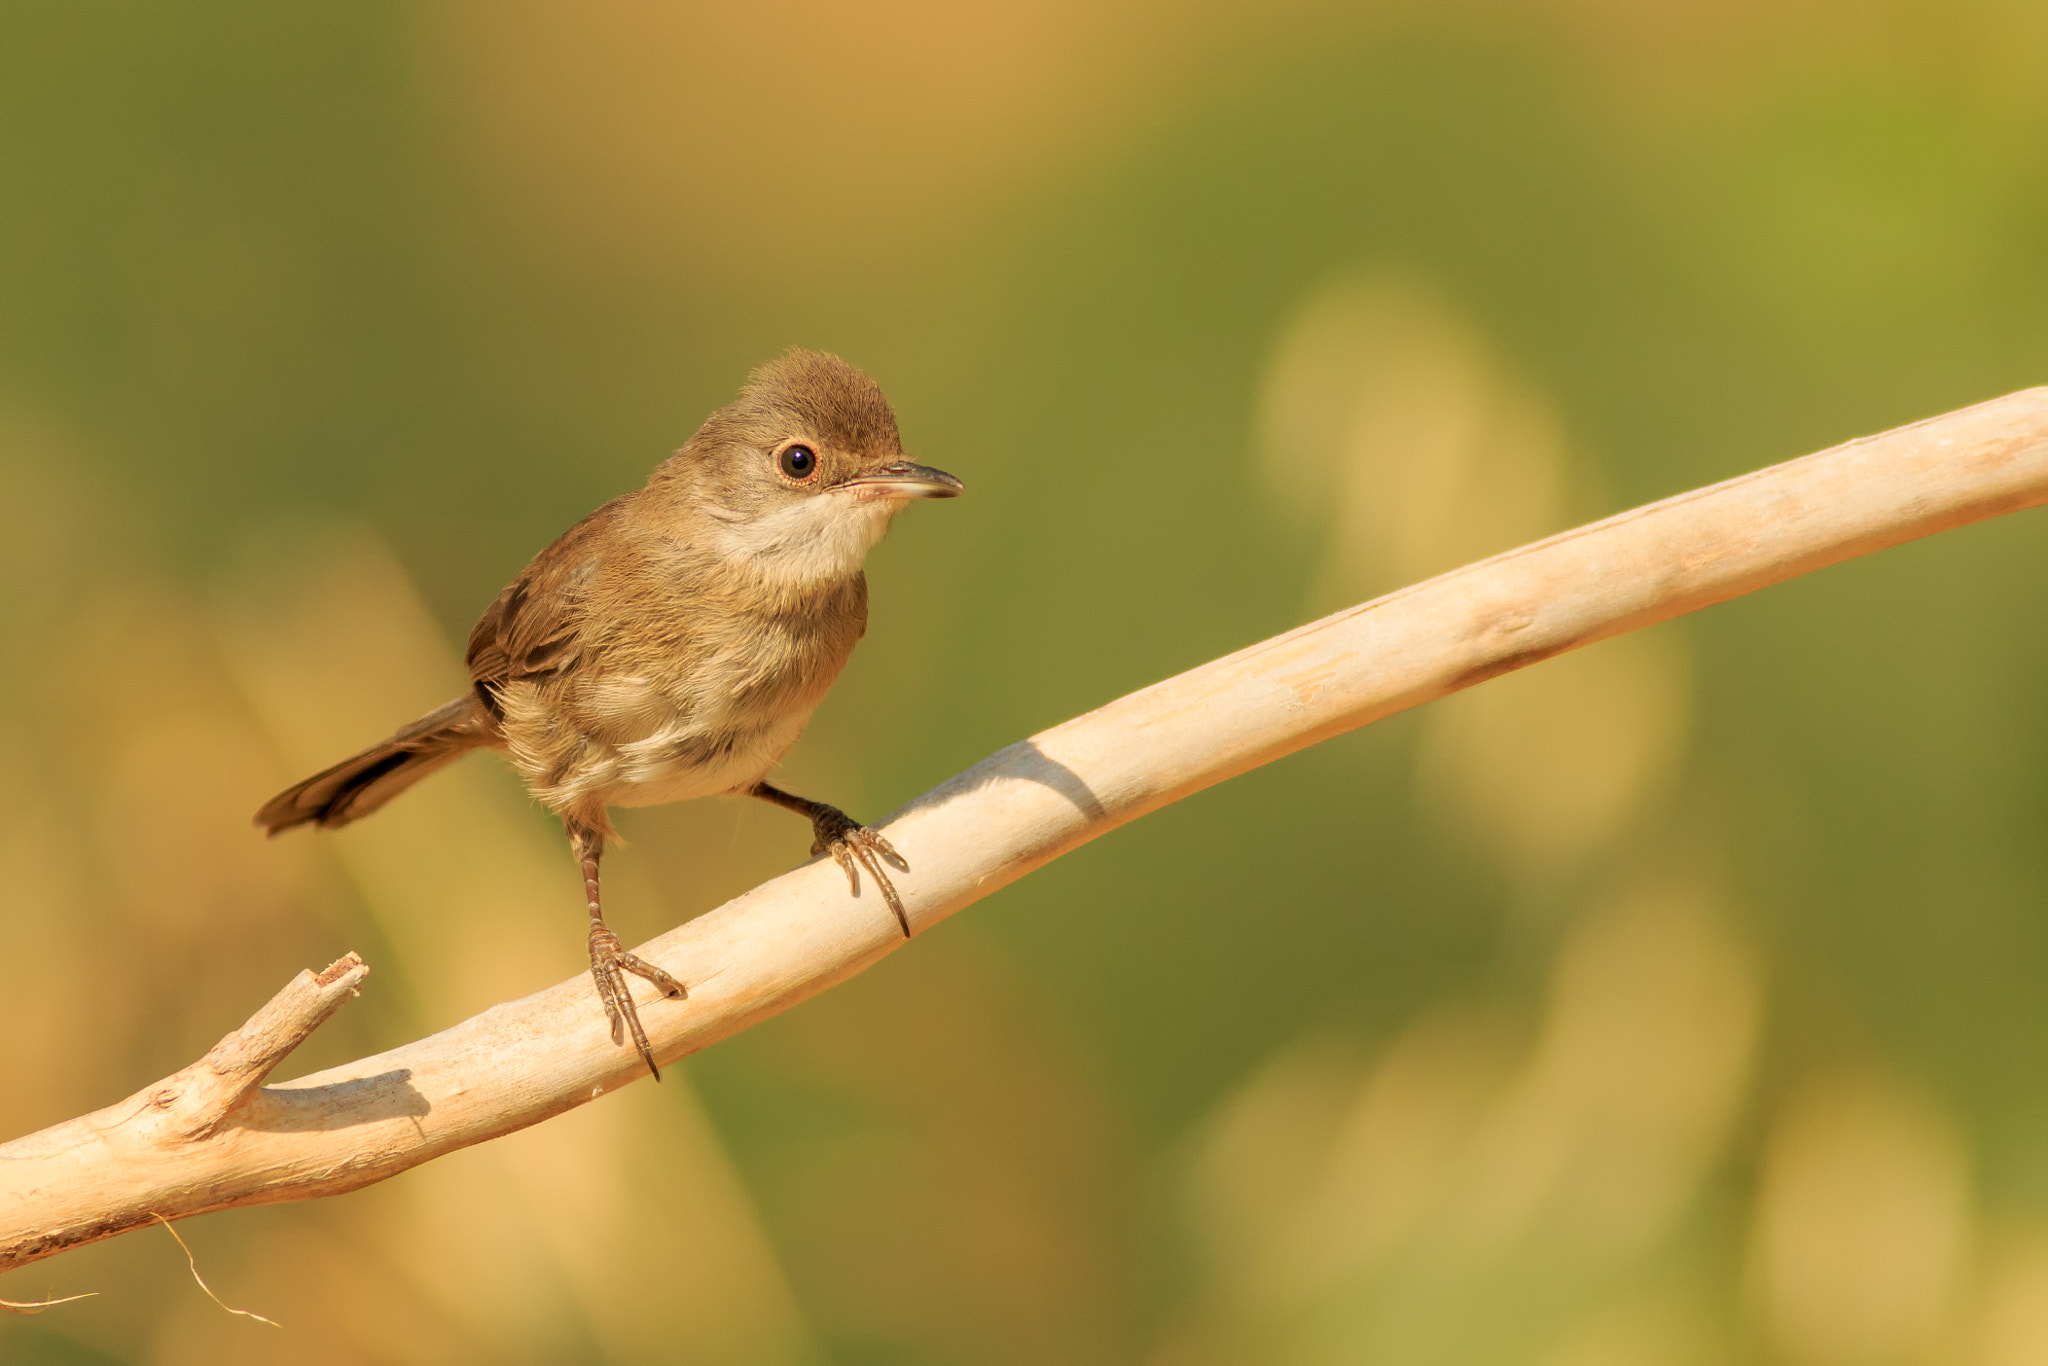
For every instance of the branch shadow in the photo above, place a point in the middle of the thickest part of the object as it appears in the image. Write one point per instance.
(337, 1105)
(1023, 761)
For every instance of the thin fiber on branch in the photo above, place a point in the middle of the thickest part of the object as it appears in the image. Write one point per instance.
(212, 1136)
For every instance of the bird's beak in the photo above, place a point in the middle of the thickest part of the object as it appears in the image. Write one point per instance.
(901, 479)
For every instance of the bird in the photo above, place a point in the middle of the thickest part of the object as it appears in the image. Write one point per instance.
(674, 643)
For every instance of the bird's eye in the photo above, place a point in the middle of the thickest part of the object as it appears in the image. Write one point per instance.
(799, 462)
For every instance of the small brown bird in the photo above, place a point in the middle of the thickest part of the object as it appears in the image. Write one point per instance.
(673, 643)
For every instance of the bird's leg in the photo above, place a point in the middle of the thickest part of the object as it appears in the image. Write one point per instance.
(852, 845)
(609, 962)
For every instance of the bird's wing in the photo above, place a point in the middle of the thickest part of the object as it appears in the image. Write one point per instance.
(539, 625)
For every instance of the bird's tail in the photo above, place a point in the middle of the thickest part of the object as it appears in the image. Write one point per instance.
(355, 787)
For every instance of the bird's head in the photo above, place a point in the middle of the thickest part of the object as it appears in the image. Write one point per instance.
(801, 474)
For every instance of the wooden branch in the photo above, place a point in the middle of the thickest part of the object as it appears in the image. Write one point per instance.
(212, 1136)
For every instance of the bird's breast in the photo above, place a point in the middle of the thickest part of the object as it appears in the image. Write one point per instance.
(713, 713)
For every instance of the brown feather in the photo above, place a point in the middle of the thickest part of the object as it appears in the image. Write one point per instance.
(359, 785)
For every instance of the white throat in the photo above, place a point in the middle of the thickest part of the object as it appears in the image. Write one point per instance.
(824, 538)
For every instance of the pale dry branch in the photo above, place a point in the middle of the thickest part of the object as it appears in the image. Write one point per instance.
(212, 1136)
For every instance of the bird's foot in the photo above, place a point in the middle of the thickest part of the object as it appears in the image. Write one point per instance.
(609, 964)
(854, 846)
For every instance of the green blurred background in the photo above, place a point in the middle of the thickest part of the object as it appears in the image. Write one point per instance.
(1679, 1001)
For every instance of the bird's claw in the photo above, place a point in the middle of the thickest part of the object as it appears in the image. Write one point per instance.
(854, 846)
(609, 964)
